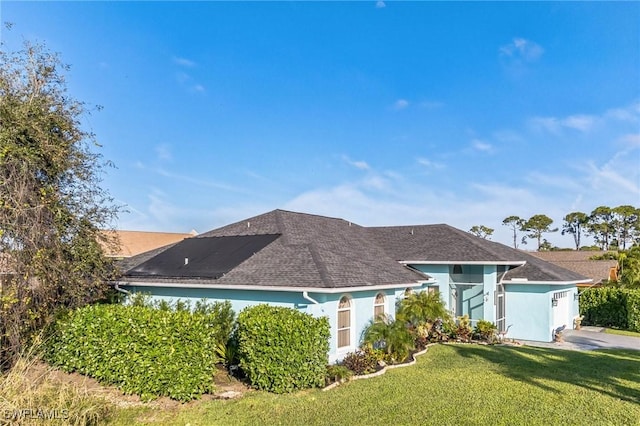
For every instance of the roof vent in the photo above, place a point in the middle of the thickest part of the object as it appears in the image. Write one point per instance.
(248, 224)
(186, 260)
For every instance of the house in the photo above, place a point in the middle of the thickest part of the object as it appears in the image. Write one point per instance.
(582, 263)
(131, 243)
(349, 273)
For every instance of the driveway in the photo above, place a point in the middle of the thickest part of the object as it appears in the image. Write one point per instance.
(589, 338)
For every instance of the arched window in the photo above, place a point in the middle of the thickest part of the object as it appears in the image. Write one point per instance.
(344, 322)
(378, 306)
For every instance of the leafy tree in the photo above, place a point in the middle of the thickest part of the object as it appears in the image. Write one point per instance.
(601, 226)
(51, 204)
(515, 223)
(536, 226)
(626, 221)
(574, 224)
(481, 231)
(629, 268)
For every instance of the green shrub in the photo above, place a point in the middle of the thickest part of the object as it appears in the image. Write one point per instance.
(485, 330)
(463, 330)
(142, 350)
(362, 361)
(337, 373)
(604, 306)
(281, 349)
(633, 310)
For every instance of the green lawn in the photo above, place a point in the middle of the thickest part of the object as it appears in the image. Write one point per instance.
(450, 385)
(622, 332)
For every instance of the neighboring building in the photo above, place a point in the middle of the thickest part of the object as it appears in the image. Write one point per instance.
(131, 243)
(581, 263)
(349, 273)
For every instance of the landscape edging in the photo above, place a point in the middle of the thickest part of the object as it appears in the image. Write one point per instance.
(382, 371)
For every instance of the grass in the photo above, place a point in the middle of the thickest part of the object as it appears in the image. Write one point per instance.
(449, 385)
(622, 332)
(31, 394)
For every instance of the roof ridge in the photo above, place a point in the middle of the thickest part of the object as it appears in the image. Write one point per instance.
(320, 266)
(314, 215)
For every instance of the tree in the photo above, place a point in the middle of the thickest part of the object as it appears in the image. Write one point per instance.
(536, 226)
(601, 226)
(626, 224)
(481, 231)
(629, 268)
(574, 224)
(515, 223)
(51, 204)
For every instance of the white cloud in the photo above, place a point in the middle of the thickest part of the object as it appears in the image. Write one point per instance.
(198, 88)
(580, 122)
(360, 165)
(400, 104)
(430, 164)
(480, 145)
(380, 4)
(183, 62)
(163, 152)
(631, 140)
(186, 81)
(522, 49)
(583, 123)
(630, 113)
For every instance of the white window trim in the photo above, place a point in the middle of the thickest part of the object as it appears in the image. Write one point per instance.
(383, 304)
(352, 318)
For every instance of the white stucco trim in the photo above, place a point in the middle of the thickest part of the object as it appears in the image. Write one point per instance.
(462, 262)
(525, 281)
(274, 288)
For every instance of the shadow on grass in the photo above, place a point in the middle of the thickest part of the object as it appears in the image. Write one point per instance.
(603, 371)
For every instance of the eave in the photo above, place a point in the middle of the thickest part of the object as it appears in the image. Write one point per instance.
(326, 290)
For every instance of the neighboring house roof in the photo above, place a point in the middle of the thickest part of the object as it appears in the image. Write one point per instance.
(581, 263)
(446, 244)
(310, 251)
(131, 243)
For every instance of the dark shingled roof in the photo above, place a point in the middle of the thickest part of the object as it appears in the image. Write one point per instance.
(209, 257)
(312, 251)
(443, 243)
(321, 252)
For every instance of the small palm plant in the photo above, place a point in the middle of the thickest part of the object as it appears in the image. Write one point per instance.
(421, 308)
(390, 335)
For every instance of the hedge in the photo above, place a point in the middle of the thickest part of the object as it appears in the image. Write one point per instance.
(143, 350)
(281, 349)
(611, 307)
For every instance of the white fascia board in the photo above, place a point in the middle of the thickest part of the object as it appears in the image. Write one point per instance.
(463, 262)
(525, 281)
(274, 288)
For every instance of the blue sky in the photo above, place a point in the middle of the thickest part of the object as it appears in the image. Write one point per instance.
(380, 113)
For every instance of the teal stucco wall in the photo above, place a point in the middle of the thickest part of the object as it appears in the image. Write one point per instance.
(529, 307)
(362, 306)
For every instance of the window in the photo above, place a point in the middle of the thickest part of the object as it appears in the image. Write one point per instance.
(378, 306)
(344, 322)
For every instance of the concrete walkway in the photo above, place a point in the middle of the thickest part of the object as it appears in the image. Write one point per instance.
(589, 338)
